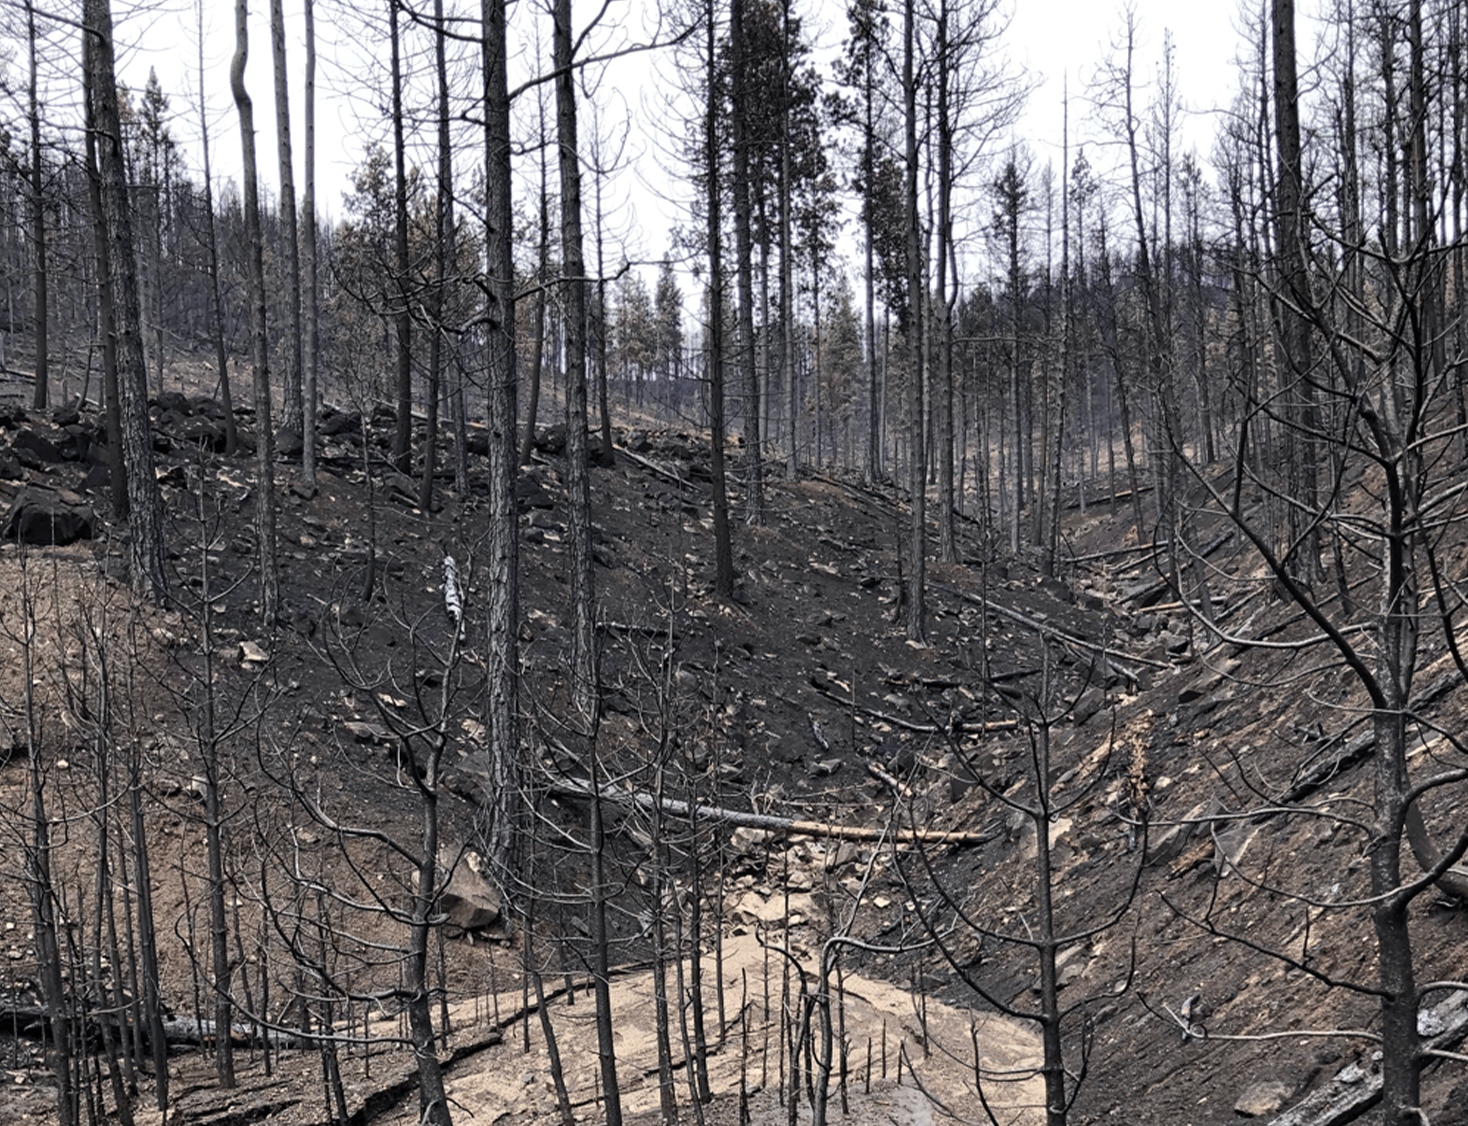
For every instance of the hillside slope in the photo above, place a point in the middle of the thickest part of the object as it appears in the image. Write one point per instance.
(1176, 765)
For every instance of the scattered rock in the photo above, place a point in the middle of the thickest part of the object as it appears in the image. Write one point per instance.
(288, 442)
(778, 908)
(47, 516)
(252, 655)
(1090, 702)
(551, 440)
(1264, 1097)
(68, 414)
(844, 853)
(206, 433)
(745, 841)
(531, 494)
(1169, 842)
(209, 407)
(1072, 971)
(335, 423)
(365, 732)
(1176, 644)
(176, 401)
(469, 902)
(35, 450)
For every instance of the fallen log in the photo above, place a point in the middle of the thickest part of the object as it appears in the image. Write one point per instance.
(568, 786)
(960, 727)
(1353, 1090)
(661, 471)
(190, 1033)
(1042, 628)
(1454, 878)
(1147, 595)
(32, 1021)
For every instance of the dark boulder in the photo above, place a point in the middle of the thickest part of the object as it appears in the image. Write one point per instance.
(35, 449)
(68, 414)
(551, 440)
(45, 516)
(98, 478)
(78, 441)
(530, 493)
(171, 420)
(203, 432)
(173, 401)
(335, 423)
(384, 415)
(288, 442)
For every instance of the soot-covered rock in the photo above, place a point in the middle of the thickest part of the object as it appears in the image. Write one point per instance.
(44, 516)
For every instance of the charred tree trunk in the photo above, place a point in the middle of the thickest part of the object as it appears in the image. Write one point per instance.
(917, 466)
(584, 688)
(255, 275)
(402, 318)
(145, 507)
(293, 412)
(216, 288)
(744, 265)
(40, 395)
(311, 312)
(723, 543)
(503, 578)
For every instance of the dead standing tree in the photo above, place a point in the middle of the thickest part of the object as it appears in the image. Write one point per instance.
(260, 350)
(1382, 397)
(421, 700)
(947, 914)
(122, 312)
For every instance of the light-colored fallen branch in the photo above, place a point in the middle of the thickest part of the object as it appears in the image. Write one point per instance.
(661, 471)
(1028, 622)
(567, 786)
(960, 727)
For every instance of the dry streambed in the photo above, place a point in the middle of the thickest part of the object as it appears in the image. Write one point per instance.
(508, 1082)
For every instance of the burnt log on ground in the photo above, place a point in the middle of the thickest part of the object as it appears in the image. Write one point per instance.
(32, 1022)
(1354, 1090)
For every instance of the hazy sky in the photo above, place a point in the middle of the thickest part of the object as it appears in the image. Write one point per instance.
(1054, 40)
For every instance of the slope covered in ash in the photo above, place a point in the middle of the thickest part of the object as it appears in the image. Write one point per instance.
(1221, 930)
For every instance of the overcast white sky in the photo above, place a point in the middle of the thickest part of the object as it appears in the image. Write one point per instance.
(1054, 40)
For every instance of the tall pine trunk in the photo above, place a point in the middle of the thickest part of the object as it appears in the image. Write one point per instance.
(260, 343)
(145, 507)
(402, 317)
(744, 264)
(723, 543)
(503, 578)
(584, 690)
(291, 244)
(211, 241)
(917, 468)
(310, 309)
